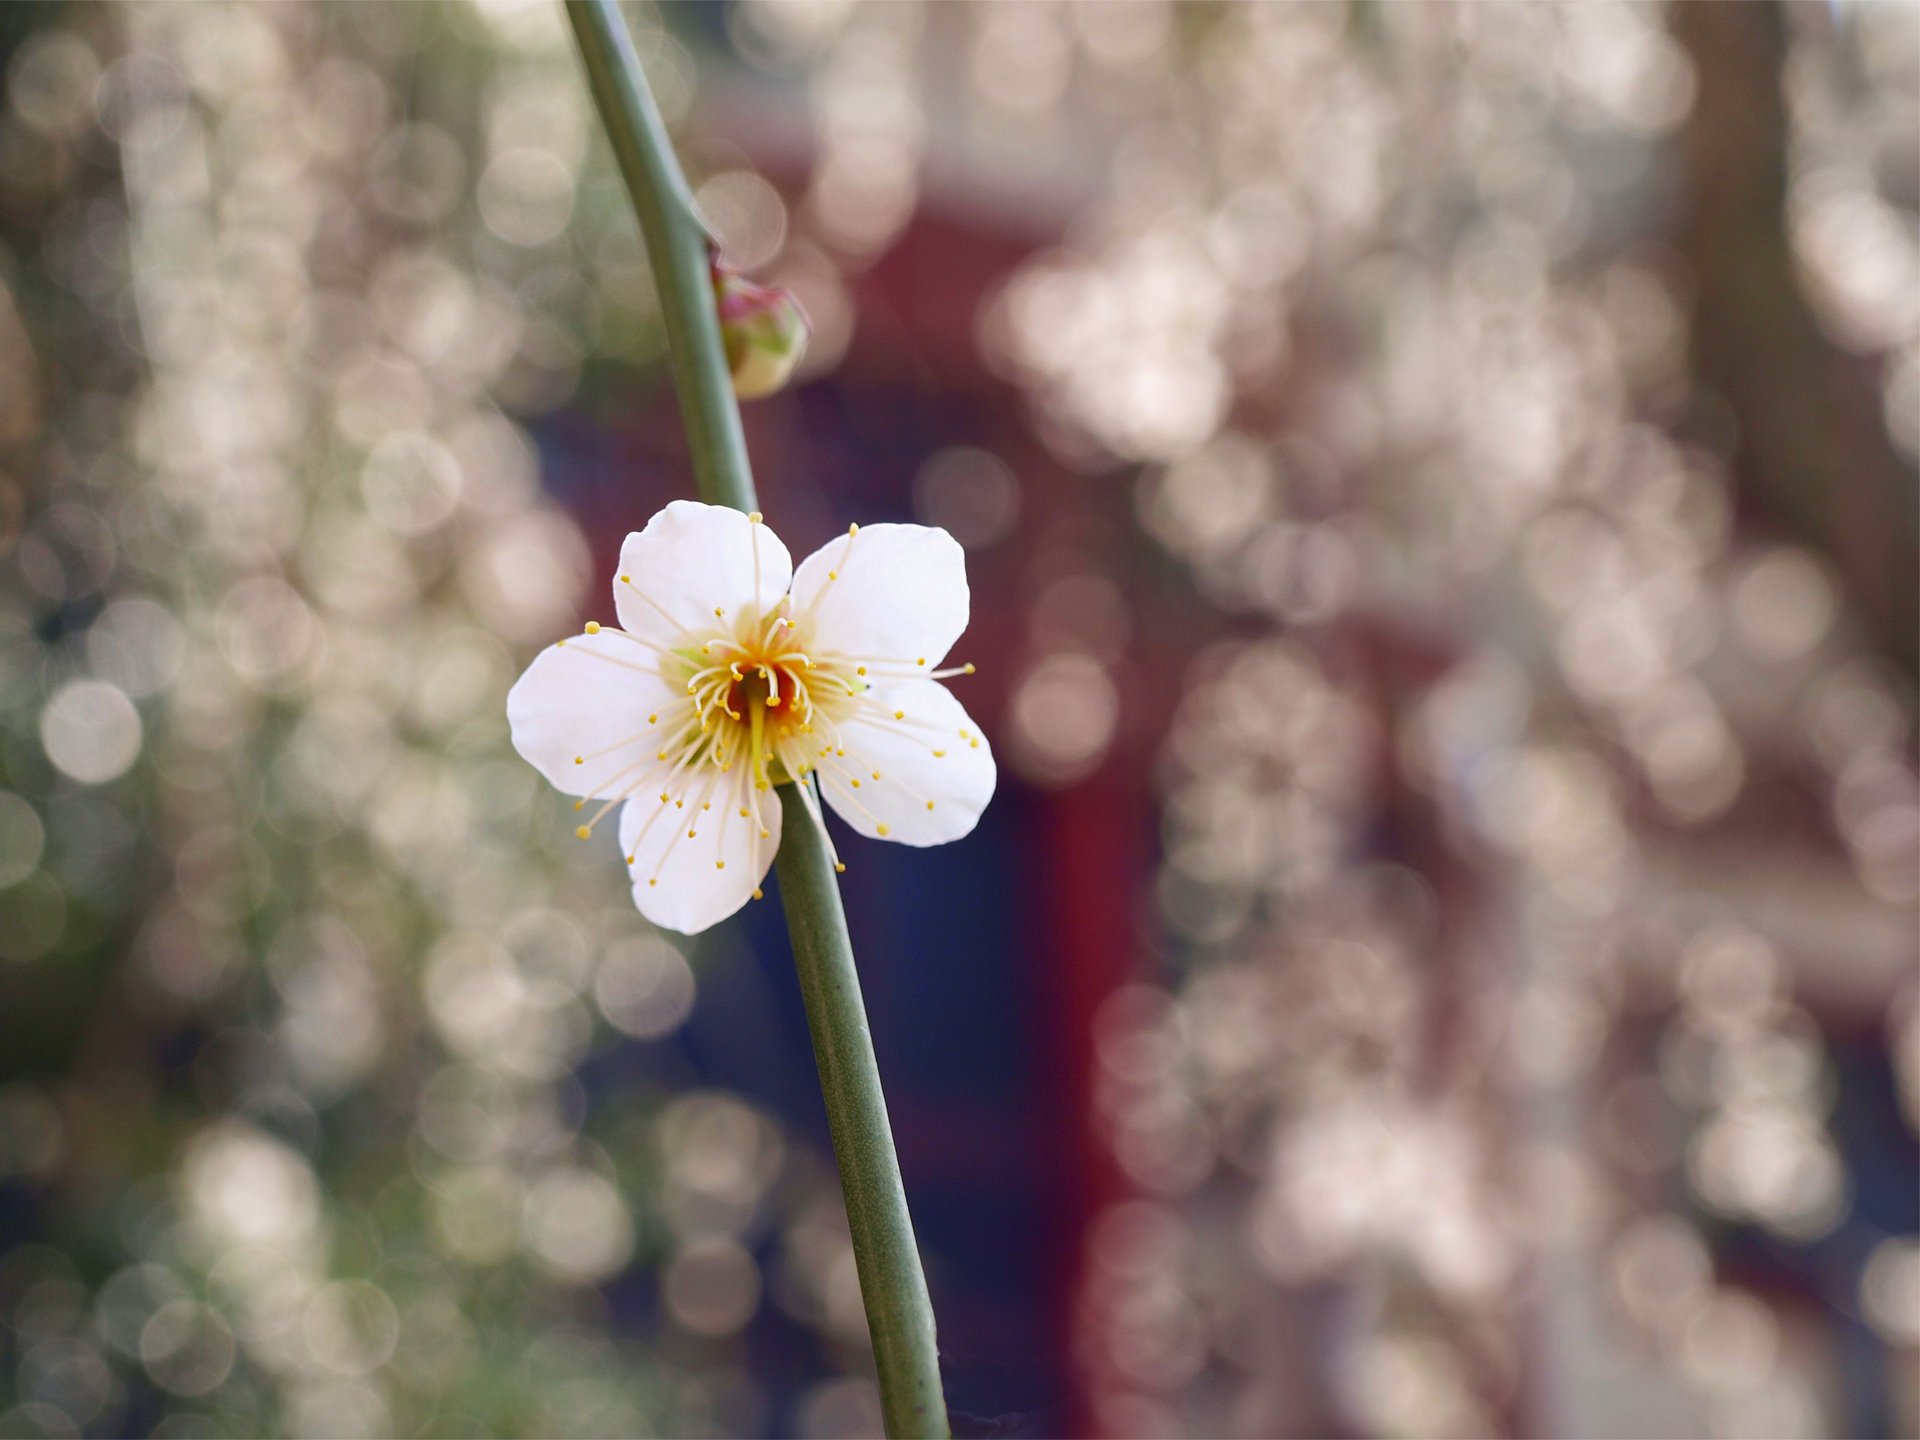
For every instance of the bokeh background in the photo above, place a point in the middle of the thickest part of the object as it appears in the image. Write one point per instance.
(1439, 489)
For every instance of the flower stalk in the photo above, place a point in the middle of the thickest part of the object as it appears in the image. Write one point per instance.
(892, 1283)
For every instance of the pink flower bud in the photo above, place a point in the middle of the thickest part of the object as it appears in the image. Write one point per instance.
(765, 332)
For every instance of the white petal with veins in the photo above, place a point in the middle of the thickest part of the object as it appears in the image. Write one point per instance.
(580, 713)
(696, 859)
(916, 768)
(723, 685)
(691, 561)
(895, 595)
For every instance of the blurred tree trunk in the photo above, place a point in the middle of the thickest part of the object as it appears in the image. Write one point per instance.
(1811, 456)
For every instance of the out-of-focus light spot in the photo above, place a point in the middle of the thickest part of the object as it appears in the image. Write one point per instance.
(577, 1224)
(69, 1375)
(469, 1113)
(526, 196)
(136, 645)
(1729, 976)
(644, 987)
(51, 83)
(1065, 712)
(1659, 1269)
(22, 839)
(816, 282)
(1890, 1290)
(1731, 1341)
(129, 1299)
(747, 214)
(186, 1347)
(1212, 500)
(319, 1409)
(525, 25)
(1783, 606)
(844, 1409)
(476, 1214)
(418, 174)
(412, 483)
(1021, 59)
(1081, 611)
(1304, 574)
(721, 1157)
(90, 731)
(142, 100)
(245, 1188)
(711, 1287)
(526, 576)
(350, 1327)
(968, 492)
(266, 631)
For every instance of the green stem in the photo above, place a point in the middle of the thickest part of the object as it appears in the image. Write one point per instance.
(899, 1313)
(676, 242)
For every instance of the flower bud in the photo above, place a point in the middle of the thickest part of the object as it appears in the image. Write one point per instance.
(764, 330)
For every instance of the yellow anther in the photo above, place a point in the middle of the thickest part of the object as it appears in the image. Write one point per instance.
(899, 714)
(626, 579)
(766, 834)
(859, 669)
(579, 760)
(839, 868)
(583, 832)
(758, 893)
(653, 882)
(939, 754)
(692, 835)
(853, 529)
(876, 774)
(974, 744)
(773, 702)
(833, 574)
(719, 864)
(856, 784)
(929, 804)
(593, 627)
(679, 804)
(921, 661)
(743, 812)
(966, 669)
(664, 797)
(755, 516)
(629, 859)
(882, 830)
(559, 644)
(579, 804)
(653, 719)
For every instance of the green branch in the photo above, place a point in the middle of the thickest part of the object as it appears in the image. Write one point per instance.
(676, 242)
(899, 1314)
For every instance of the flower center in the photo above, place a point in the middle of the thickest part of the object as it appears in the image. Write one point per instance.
(757, 694)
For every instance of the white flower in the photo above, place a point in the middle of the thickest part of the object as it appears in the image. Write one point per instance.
(731, 673)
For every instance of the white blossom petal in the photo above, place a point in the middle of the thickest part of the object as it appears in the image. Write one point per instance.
(924, 771)
(688, 881)
(891, 594)
(589, 711)
(692, 560)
